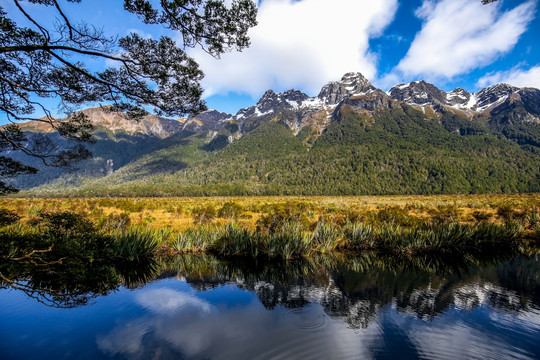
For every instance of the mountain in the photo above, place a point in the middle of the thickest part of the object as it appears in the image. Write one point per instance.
(351, 138)
(421, 94)
(103, 119)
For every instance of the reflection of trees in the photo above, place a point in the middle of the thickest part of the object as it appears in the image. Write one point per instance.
(351, 288)
(73, 285)
(67, 270)
(355, 289)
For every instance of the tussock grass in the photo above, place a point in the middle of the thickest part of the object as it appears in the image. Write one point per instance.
(288, 228)
(289, 242)
(195, 240)
(358, 236)
(136, 243)
(233, 240)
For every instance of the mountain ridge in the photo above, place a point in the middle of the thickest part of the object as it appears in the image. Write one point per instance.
(404, 139)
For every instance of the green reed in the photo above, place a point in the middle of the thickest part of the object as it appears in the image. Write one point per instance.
(136, 243)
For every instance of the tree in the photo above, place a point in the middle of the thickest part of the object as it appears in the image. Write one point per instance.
(37, 62)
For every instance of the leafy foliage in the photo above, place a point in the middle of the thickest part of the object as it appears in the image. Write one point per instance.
(48, 61)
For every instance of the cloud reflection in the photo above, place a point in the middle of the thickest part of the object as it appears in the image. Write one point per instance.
(180, 324)
(191, 327)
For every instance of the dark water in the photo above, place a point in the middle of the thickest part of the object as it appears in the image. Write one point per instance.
(362, 308)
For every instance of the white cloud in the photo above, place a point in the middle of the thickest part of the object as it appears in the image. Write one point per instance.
(461, 35)
(517, 76)
(300, 44)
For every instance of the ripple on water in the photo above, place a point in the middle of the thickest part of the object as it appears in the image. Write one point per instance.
(304, 318)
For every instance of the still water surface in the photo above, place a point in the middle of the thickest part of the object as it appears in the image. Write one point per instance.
(203, 308)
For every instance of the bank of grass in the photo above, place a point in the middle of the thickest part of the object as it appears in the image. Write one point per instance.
(292, 227)
(182, 213)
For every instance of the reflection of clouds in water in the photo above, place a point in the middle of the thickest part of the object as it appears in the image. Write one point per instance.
(126, 339)
(192, 327)
(167, 301)
(458, 340)
(530, 319)
(179, 323)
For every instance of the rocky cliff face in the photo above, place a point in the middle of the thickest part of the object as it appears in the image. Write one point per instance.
(103, 119)
(418, 93)
(207, 120)
(421, 94)
(299, 110)
(353, 91)
(351, 84)
(492, 96)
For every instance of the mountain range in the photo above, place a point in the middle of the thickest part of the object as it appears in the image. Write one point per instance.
(351, 138)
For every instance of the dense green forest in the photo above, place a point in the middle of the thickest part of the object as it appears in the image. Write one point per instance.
(391, 151)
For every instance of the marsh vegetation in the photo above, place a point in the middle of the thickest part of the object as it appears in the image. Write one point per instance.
(133, 229)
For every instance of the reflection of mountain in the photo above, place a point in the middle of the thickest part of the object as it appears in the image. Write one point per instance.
(381, 311)
(358, 296)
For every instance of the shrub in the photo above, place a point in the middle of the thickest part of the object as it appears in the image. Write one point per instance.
(359, 236)
(532, 219)
(445, 215)
(396, 215)
(506, 212)
(114, 222)
(230, 210)
(203, 214)
(325, 237)
(480, 216)
(64, 223)
(8, 217)
(282, 214)
(198, 239)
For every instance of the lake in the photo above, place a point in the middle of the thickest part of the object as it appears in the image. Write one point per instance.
(367, 307)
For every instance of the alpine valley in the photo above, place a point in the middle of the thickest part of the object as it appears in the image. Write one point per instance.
(351, 139)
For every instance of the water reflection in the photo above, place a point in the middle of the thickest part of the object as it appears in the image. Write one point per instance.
(355, 288)
(340, 307)
(70, 284)
(338, 312)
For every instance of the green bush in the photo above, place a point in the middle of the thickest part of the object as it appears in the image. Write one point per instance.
(480, 216)
(396, 215)
(325, 238)
(281, 214)
(203, 214)
(445, 215)
(230, 210)
(359, 236)
(288, 242)
(198, 239)
(506, 212)
(64, 223)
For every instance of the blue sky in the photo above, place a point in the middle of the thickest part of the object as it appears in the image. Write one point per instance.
(304, 44)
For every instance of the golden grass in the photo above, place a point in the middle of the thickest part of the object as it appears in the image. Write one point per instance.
(176, 212)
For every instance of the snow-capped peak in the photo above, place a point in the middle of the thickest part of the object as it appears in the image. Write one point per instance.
(351, 84)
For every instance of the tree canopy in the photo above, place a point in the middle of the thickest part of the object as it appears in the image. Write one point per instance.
(42, 60)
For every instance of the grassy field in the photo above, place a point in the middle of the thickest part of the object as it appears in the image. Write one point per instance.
(181, 213)
(276, 227)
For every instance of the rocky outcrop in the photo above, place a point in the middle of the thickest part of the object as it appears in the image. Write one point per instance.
(418, 93)
(353, 91)
(492, 96)
(351, 84)
(207, 120)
